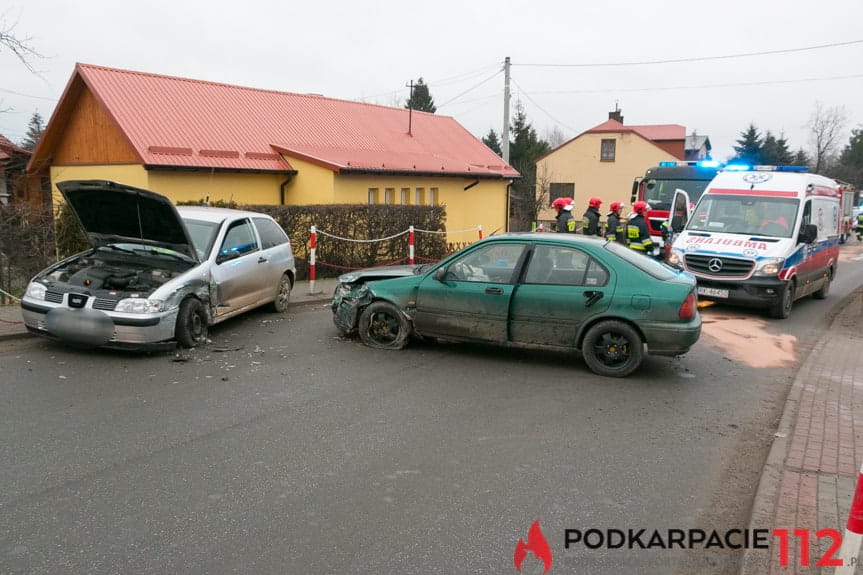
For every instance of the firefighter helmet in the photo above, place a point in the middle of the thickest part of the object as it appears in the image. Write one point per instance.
(562, 204)
(594, 202)
(615, 207)
(640, 207)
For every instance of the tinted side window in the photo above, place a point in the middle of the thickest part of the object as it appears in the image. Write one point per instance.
(239, 240)
(493, 264)
(271, 233)
(564, 266)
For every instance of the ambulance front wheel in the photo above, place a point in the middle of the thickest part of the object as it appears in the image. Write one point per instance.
(782, 308)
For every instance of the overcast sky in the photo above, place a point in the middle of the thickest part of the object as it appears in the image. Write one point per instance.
(572, 60)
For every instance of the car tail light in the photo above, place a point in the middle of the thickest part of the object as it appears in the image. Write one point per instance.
(689, 307)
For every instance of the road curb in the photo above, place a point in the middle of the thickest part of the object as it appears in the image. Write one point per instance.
(755, 561)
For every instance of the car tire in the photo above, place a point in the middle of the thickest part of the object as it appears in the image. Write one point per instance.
(383, 326)
(612, 348)
(283, 295)
(825, 287)
(782, 308)
(191, 328)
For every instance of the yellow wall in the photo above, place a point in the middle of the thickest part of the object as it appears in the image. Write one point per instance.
(578, 162)
(482, 205)
(312, 184)
(242, 188)
(132, 175)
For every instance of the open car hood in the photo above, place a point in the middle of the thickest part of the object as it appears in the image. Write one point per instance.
(116, 213)
(381, 272)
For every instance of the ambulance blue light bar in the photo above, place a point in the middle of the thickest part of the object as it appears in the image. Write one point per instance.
(700, 164)
(781, 168)
(708, 164)
(738, 167)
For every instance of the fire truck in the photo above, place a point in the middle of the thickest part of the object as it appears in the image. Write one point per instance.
(848, 201)
(658, 184)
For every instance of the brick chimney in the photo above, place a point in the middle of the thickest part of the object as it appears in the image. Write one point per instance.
(616, 114)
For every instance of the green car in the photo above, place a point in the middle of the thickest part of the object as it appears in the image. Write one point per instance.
(535, 290)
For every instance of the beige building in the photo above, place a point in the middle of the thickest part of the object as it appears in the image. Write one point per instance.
(604, 161)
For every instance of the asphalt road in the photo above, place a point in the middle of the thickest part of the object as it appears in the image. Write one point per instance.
(282, 448)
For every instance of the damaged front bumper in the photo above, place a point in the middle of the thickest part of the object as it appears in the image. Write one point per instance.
(348, 300)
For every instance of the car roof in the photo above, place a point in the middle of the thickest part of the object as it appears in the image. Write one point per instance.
(546, 236)
(216, 215)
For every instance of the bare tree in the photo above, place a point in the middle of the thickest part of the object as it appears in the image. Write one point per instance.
(20, 47)
(825, 131)
(555, 137)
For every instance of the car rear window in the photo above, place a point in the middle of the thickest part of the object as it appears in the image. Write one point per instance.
(271, 233)
(645, 263)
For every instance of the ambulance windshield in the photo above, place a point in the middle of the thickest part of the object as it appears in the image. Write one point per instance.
(745, 214)
(658, 193)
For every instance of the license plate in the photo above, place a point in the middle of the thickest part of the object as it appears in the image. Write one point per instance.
(713, 292)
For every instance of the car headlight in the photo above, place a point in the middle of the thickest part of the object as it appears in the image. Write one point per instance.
(139, 305)
(36, 290)
(675, 258)
(770, 267)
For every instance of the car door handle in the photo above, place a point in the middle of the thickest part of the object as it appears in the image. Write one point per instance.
(494, 291)
(262, 260)
(592, 297)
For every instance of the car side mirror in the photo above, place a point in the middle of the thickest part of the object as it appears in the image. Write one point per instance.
(440, 274)
(808, 234)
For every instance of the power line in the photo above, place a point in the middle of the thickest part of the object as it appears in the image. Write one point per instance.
(444, 82)
(694, 59)
(699, 87)
(541, 109)
(4, 90)
(474, 87)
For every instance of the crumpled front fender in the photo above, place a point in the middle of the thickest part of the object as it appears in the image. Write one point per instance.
(346, 306)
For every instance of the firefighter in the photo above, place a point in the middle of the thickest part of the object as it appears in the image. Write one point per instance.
(565, 221)
(590, 219)
(637, 231)
(858, 227)
(614, 230)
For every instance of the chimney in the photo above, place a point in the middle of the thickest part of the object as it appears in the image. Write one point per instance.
(616, 115)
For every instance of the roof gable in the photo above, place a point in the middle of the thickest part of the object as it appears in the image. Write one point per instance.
(180, 122)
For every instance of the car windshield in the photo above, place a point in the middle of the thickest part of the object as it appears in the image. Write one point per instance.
(745, 214)
(203, 235)
(659, 193)
(646, 264)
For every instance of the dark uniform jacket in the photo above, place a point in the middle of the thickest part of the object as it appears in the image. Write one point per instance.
(590, 222)
(565, 222)
(614, 230)
(638, 235)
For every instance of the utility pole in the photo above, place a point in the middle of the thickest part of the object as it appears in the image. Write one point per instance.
(410, 106)
(505, 134)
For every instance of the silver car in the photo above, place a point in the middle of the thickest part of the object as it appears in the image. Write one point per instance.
(157, 275)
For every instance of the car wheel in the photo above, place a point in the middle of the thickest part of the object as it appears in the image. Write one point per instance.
(782, 308)
(612, 348)
(383, 326)
(825, 287)
(283, 295)
(191, 329)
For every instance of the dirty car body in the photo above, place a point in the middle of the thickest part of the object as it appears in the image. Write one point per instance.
(156, 275)
(553, 291)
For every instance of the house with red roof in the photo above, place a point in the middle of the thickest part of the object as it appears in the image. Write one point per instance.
(604, 160)
(192, 139)
(16, 186)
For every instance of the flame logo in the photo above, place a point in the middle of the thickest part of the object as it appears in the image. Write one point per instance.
(537, 544)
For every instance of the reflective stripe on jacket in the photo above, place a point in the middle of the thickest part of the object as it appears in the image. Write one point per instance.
(638, 234)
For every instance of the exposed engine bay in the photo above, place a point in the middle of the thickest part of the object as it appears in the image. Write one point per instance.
(97, 275)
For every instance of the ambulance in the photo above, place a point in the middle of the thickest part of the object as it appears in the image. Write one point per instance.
(761, 236)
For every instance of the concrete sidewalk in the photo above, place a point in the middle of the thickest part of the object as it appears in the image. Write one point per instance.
(12, 326)
(811, 471)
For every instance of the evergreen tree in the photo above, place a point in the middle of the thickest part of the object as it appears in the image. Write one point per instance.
(801, 158)
(421, 98)
(774, 151)
(34, 132)
(524, 150)
(492, 141)
(850, 166)
(748, 148)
